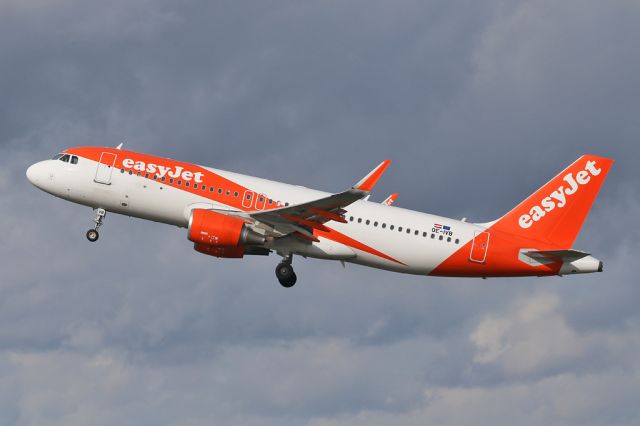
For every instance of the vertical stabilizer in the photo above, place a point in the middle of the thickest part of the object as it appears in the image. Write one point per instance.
(555, 213)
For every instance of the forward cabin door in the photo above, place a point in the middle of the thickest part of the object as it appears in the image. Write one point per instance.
(479, 247)
(105, 168)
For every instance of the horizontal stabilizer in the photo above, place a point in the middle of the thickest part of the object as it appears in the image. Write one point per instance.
(557, 255)
(390, 199)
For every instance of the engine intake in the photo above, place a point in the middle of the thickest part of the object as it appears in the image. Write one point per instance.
(208, 228)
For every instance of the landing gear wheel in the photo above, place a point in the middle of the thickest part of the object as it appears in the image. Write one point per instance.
(285, 274)
(92, 235)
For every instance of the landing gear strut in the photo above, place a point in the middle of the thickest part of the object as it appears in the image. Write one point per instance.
(92, 234)
(285, 273)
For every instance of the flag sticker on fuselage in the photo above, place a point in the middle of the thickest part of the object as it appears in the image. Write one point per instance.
(438, 228)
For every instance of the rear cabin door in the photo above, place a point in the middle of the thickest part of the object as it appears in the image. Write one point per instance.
(105, 168)
(479, 247)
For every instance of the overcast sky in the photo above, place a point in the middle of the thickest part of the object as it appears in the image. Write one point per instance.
(477, 103)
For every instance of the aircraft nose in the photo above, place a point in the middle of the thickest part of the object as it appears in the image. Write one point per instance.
(35, 174)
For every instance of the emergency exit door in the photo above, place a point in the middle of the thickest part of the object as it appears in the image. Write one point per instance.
(479, 247)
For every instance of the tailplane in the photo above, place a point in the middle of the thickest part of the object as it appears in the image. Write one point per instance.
(555, 213)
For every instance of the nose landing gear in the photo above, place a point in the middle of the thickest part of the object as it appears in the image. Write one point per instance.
(92, 234)
(285, 274)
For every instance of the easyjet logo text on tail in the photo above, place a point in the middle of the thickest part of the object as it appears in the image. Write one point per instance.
(559, 197)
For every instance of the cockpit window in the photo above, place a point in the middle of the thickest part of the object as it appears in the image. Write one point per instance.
(57, 156)
(65, 158)
(74, 160)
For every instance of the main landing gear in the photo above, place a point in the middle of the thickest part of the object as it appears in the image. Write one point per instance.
(285, 273)
(92, 234)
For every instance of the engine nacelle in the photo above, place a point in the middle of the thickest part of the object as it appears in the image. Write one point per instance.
(208, 228)
(228, 252)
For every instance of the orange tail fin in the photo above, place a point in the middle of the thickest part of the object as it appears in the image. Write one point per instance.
(555, 213)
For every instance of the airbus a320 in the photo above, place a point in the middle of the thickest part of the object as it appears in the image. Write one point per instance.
(230, 215)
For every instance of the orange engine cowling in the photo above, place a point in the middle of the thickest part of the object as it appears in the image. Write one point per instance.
(228, 252)
(208, 228)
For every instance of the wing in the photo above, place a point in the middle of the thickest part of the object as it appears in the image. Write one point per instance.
(303, 218)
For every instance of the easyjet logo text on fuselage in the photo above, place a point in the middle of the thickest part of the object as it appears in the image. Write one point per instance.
(162, 171)
(559, 197)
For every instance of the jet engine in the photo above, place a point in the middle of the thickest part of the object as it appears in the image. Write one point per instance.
(210, 229)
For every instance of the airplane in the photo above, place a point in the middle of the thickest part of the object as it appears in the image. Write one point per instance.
(230, 215)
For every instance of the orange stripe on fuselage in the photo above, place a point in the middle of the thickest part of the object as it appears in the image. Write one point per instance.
(339, 237)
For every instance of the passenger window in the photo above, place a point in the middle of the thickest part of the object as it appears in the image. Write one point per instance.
(139, 173)
(367, 222)
(424, 234)
(457, 241)
(219, 190)
(384, 225)
(204, 188)
(170, 180)
(448, 239)
(228, 192)
(146, 175)
(195, 186)
(179, 182)
(163, 179)
(74, 160)
(235, 194)
(399, 228)
(440, 237)
(433, 236)
(286, 204)
(351, 219)
(408, 231)
(417, 232)
(375, 223)
(391, 227)
(187, 184)
(130, 172)
(121, 170)
(211, 189)
(359, 220)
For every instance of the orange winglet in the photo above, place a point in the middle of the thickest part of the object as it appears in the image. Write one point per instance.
(328, 215)
(309, 223)
(367, 182)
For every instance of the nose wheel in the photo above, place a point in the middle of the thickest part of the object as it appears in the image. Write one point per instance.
(92, 234)
(285, 274)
